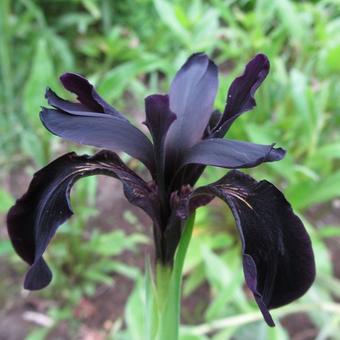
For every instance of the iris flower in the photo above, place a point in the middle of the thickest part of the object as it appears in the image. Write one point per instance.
(187, 135)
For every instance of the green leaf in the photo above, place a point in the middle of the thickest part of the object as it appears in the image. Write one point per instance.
(329, 151)
(185, 336)
(38, 334)
(96, 276)
(41, 75)
(329, 231)
(151, 311)
(5, 247)
(31, 145)
(308, 193)
(217, 272)
(167, 12)
(6, 201)
(333, 57)
(123, 269)
(134, 312)
(321, 251)
(121, 76)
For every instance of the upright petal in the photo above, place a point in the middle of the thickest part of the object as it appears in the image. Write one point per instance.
(100, 130)
(158, 116)
(278, 260)
(36, 216)
(158, 120)
(192, 95)
(231, 154)
(86, 94)
(241, 92)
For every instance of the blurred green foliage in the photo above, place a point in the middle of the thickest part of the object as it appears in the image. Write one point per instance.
(132, 48)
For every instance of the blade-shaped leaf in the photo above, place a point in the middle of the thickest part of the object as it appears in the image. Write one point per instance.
(278, 260)
(36, 216)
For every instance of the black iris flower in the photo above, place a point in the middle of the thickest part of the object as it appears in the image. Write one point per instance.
(187, 135)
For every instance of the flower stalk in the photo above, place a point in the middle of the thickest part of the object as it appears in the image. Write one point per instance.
(168, 290)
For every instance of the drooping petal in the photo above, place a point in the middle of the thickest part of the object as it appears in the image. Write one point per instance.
(158, 120)
(100, 130)
(36, 216)
(278, 260)
(192, 95)
(231, 154)
(86, 94)
(241, 92)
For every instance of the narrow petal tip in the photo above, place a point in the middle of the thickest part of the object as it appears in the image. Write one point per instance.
(42, 115)
(196, 56)
(77, 84)
(38, 277)
(74, 82)
(158, 101)
(68, 77)
(250, 275)
(262, 58)
(47, 92)
(275, 154)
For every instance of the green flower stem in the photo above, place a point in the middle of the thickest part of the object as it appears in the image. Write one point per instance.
(163, 278)
(168, 288)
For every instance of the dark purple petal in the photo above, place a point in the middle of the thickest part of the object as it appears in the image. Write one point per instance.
(278, 260)
(241, 92)
(158, 116)
(100, 130)
(158, 120)
(193, 171)
(184, 203)
(36, 216)
(213, 122)
(231, 154)
(86, 94)
(192, 95)
(74, 108)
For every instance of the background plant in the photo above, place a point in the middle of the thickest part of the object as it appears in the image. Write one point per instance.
(131, 48)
